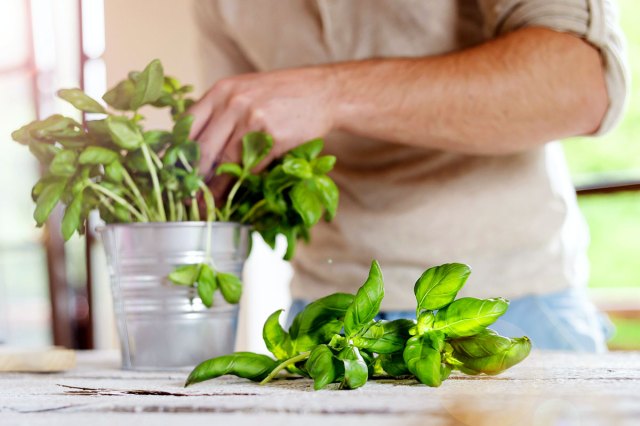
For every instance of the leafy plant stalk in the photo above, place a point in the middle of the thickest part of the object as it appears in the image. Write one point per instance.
(118, 199)
(133, 174)
(139, 200)
(343, 341)
(156, 183)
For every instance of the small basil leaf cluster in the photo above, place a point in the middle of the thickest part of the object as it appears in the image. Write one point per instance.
(289, 198)
(112, 164)
(129, 174)
(336, 339)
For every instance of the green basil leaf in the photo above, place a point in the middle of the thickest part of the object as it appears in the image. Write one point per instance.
(319, 320)
(22, 135)
(307, 202)
(276, 338)
(469, 316)
(255, 148)
(170, 156)
(445, 371)
(185, 275)
(171, 84)
(148, 86)
(369, 360)
(308, 150)
(44, 152)
(124, 133)
(322, 367)
(426, 319)
(366, 304)
(134, 76)
(121, 96)
(232, 169)
(166, 99)
(157, 139)
(323, 165)
(423, 358)
(438, 286)
(81, 100)
(122, 214)
(98, 155)
(291, 234)
(329, 195)
(356, 371)
(206, 285)
(135, 161)
(192, 182)
(517, 351)
(98, 132)
(393, 364)
(64, 163)
(191, 151)
(44, 130)
(242, 364)
(187, 88)
(276, 180)
(483, 344)
(48, 198)
(385, 337)
(230, 287)
(298, 167)
(71, 219)
(181, 129)
(80, 182)
(36, 190)
(114, 172)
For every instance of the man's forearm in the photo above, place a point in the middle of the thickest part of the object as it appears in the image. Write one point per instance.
(526, 88)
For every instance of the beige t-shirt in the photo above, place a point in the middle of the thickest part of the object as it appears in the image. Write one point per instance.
(513, 218)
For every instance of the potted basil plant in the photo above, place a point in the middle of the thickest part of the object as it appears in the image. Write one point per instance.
(175, 255)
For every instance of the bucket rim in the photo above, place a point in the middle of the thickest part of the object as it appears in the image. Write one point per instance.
(164, 225)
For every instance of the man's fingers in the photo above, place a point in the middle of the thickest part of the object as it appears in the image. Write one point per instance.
(201, 111)
(213, 139)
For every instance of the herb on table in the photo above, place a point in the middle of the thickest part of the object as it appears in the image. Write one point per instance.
(130, 174)
(336, 339)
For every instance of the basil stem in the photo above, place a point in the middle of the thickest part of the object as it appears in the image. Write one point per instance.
(156, 183)
(284, 365)
(119, 200)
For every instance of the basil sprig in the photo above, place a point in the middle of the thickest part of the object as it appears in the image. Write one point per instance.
(337, 338)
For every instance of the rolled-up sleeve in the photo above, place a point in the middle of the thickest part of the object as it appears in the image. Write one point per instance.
(596, 21)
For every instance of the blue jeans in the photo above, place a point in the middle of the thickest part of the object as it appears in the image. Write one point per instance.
(566, 320)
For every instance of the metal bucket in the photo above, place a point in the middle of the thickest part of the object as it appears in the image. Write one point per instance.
(162, 325)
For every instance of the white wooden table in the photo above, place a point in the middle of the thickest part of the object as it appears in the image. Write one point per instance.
(546, 389)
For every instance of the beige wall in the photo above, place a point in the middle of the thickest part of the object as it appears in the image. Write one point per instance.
(141, 30)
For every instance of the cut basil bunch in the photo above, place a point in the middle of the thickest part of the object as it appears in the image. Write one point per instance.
(129, 174)
(337, 339)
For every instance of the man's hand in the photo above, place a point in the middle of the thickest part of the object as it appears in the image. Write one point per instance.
(293, 105)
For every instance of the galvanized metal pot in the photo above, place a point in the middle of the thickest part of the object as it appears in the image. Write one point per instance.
(162, 325)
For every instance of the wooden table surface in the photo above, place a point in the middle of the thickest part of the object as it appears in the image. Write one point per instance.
(546, 389)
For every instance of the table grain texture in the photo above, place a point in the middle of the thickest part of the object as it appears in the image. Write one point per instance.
(548, 388)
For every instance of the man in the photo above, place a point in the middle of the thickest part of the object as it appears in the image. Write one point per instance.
(440, 114)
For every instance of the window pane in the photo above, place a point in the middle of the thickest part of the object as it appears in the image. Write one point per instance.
(18, 168)
(13, 34)
(24, 307)
(615, 238)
